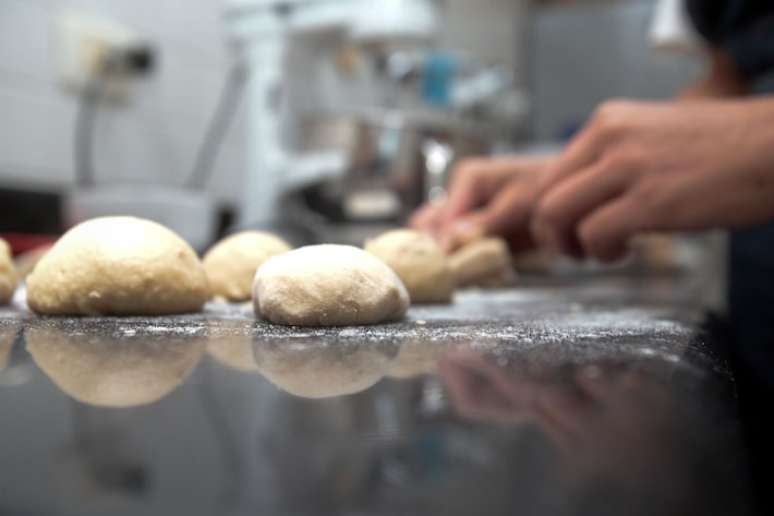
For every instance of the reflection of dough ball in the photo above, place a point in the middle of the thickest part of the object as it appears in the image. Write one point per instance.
(418, 261)
(98, 368)
(231, 344)
(328, 285)
(317, 370)
(120, 266)
(8, 332)
(7, 273)
(485, 263)
(415, 359)
(232, 262)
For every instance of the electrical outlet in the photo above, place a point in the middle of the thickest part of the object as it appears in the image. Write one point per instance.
(85, 44)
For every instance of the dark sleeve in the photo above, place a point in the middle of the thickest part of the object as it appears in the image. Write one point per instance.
(752, 49)
(743, 28)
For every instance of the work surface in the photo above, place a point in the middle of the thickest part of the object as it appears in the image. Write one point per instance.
(598, 397)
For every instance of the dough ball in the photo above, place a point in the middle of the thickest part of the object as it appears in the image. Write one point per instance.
(118, 266)
(7, 273)
(26, 262)
(419, 262)
(319, 370)
(484, 263)
(328, 285)
(232, 262)
(99, 364)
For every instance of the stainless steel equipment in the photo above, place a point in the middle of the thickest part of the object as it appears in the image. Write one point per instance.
(407, 155)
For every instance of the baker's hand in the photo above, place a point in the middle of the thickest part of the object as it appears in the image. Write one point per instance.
(487, 196)
(648, 166)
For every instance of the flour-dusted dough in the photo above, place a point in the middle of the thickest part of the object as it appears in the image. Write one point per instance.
(232, 262)
(328, 285)
(8, 277)
(103, 366)
(483, 263)
(419, 262)
(323, 370)
(118, 266)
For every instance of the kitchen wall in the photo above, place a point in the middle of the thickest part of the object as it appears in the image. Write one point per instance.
(581, 55)
(492, 30)
(155, 136)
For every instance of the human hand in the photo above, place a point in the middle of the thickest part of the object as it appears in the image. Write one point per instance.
(487, 196)
(658, 166)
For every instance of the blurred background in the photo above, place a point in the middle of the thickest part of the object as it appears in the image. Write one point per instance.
(323, 120)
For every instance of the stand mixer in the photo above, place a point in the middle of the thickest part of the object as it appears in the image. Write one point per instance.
(282, 41)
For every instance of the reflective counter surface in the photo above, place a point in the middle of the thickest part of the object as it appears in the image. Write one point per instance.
(596, 398)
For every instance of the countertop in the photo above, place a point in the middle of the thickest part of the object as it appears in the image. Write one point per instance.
(588, 397)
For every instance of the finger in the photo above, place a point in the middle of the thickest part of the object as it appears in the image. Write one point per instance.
(476, 181)
(506, 215)
(427, 218)
(580, 153)
(462, 232)
(465, 193)
(604, 234)
(561, 208)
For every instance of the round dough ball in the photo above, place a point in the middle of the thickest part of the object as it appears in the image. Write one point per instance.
(419, 262)
(328, 285)
(101, 365)
(8, 277)
(232, 262)
(485, 263)
(319, 370)
(118, 266)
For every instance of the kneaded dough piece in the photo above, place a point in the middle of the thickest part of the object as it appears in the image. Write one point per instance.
(232, 262)
(8, 277)
(418, 261)
(118, 266)
(328, 285)
(486, 263)
(25, 263)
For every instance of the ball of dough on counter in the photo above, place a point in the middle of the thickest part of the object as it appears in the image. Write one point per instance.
(484, 263)
(118, 266)
(232, 262)
(8, 277)
(328, 285)
(419, 262)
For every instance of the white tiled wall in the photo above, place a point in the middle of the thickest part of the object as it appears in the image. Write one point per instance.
(155, 136)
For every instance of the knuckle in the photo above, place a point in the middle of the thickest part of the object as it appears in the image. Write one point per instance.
(653, 198)
(610, 119)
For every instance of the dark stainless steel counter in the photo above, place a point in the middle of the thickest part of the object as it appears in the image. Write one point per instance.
(592, 398)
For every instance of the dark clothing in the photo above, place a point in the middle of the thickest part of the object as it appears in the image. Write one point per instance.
(743, 28)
